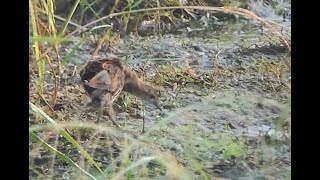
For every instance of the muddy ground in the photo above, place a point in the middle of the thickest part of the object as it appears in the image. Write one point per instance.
(225, 90)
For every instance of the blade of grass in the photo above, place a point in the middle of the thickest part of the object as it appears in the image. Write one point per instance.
(67, 136)
(86, 5)
(73, 9)
(47, 39)
(142, 161)
(137, 3)
(48, 7)
(61, 19)
(49, 11)
(35, 138)
(40, 63)
(126, 17)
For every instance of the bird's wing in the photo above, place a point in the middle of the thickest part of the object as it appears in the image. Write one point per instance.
(101, 81)
(117, 79)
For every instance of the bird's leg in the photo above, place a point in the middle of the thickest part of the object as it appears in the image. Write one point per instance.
(111, 114)
(107, 100)
(100, 111)
(143, 124)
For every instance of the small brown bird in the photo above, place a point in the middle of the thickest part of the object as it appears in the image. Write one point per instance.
(104, 79)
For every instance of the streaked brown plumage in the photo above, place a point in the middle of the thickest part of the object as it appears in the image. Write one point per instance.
(104, 79)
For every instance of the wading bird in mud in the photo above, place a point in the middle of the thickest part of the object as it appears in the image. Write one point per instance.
(104, 79)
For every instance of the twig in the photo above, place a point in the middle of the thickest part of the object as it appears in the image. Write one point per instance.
(45, 101)
(161, 59)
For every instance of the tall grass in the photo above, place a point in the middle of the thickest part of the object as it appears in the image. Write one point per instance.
(73, 9)
(129, 145)
(35, 29)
